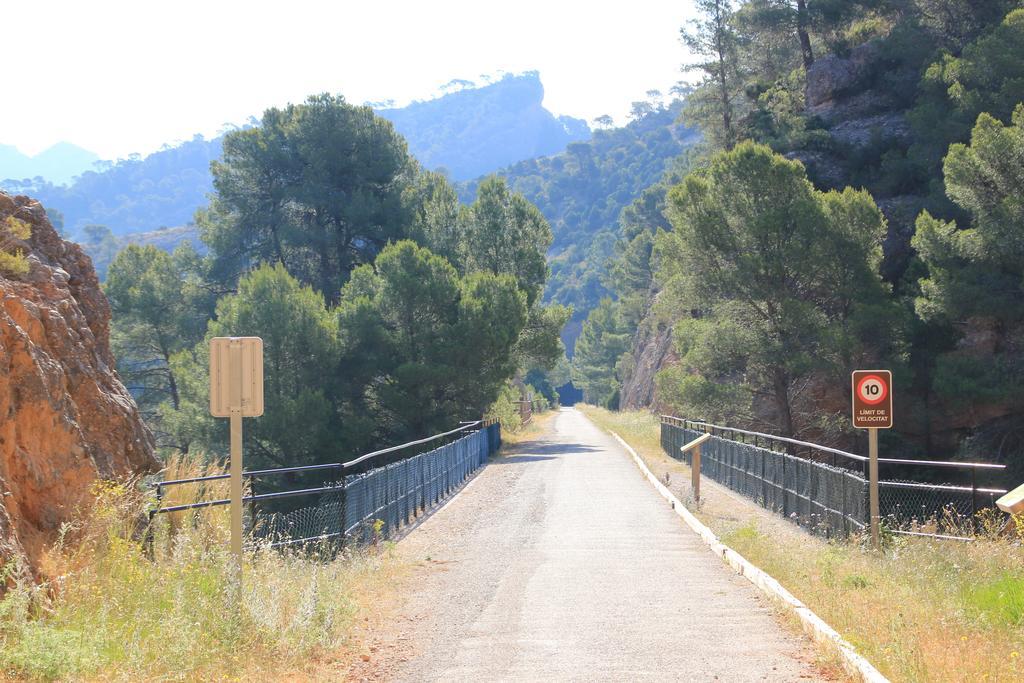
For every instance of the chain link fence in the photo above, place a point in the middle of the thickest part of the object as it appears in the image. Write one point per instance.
(366, 506)
(825, 499)
(826, 490)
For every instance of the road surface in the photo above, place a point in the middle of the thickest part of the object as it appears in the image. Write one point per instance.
(560, 562)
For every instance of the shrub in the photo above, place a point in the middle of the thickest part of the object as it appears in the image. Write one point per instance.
(12, 256)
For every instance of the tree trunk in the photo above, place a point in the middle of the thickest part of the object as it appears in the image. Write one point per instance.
(172, 386)
(326, 284)
(781, 390)
(723, 86)
(802, 21)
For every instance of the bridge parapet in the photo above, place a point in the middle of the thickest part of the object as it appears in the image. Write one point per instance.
(362, 500)
(825, 489)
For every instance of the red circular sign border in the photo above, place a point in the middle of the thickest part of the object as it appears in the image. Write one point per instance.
(881, 381)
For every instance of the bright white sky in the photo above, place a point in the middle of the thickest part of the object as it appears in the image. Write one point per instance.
(120, 77)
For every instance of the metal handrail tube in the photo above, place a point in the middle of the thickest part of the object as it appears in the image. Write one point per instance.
(307, 468)
(795, 442)
(248, 499)
(853, 456)
(941, 487)
(944, 463)
(250, 473)
(392, 449)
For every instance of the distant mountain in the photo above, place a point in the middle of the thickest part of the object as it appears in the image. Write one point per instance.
(469, 133)
(58, 164)
(135, 194)
(478, 130)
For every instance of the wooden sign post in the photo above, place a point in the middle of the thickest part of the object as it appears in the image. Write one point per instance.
(872, 410)
(695, 463)
(236, 391)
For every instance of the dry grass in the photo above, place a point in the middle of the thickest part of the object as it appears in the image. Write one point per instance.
(921, 610)
(114, 614)
(537, 426)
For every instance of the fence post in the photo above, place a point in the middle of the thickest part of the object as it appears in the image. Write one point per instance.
(842, 487)
(343, 511)
(974, 496)
(764, 474)
(423, 483)
(152, 515)
(694, 448)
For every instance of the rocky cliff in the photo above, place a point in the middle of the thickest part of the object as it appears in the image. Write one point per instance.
(652, 350)
(66, 419)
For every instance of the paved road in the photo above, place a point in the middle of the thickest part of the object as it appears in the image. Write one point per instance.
(560, 562)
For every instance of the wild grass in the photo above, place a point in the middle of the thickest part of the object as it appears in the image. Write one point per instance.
(113, 613)
(531, 430)
(920, 610)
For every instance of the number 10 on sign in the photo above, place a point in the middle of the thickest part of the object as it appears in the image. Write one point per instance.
(872, 410)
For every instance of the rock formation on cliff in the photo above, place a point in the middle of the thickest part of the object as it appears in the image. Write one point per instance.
(66, 419)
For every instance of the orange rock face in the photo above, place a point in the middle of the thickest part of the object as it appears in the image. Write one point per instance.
(65, 417)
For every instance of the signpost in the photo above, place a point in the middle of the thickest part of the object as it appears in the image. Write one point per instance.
(236, 391)
(695, 463)
(872, 410)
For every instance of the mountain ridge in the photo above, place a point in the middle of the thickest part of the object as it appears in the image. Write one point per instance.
(466, 133)
(59, 163)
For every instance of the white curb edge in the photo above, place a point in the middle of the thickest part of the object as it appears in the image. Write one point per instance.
(814, 626)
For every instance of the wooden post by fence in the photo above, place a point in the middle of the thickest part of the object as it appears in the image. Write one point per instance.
(695, 463)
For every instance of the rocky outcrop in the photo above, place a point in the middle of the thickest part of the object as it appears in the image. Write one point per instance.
(832, 78)
(652, 350)
(66, 419)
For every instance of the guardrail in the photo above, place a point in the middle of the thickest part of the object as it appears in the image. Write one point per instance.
(826, 489)
(359, 502)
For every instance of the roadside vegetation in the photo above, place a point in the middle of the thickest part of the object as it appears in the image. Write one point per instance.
(920, 610)
(112, 613)
(127, 605)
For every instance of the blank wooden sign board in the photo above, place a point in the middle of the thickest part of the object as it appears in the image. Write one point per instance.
(236, 376)
(236, 391)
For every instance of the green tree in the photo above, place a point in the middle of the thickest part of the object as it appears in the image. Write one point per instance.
(425, 347)
(435, 216)
(159, 306)
(988, 76)
(316, 187)
(504, 233)
(713, 37)
(805, 19)
(774, 283)
(975, 275)
(603, 340)
(300, 347)
(101, 246)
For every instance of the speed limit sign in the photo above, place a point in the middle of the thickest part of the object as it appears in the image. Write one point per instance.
(872, 399)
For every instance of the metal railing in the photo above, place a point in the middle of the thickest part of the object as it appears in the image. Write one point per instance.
(367, 498)
(527, 407)
(826, 489)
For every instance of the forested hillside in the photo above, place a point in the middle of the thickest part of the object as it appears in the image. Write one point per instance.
(583, 190)
(466, 133)
(858, 205)
(137, 194)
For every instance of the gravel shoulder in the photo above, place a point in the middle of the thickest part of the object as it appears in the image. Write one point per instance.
(559, 562)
